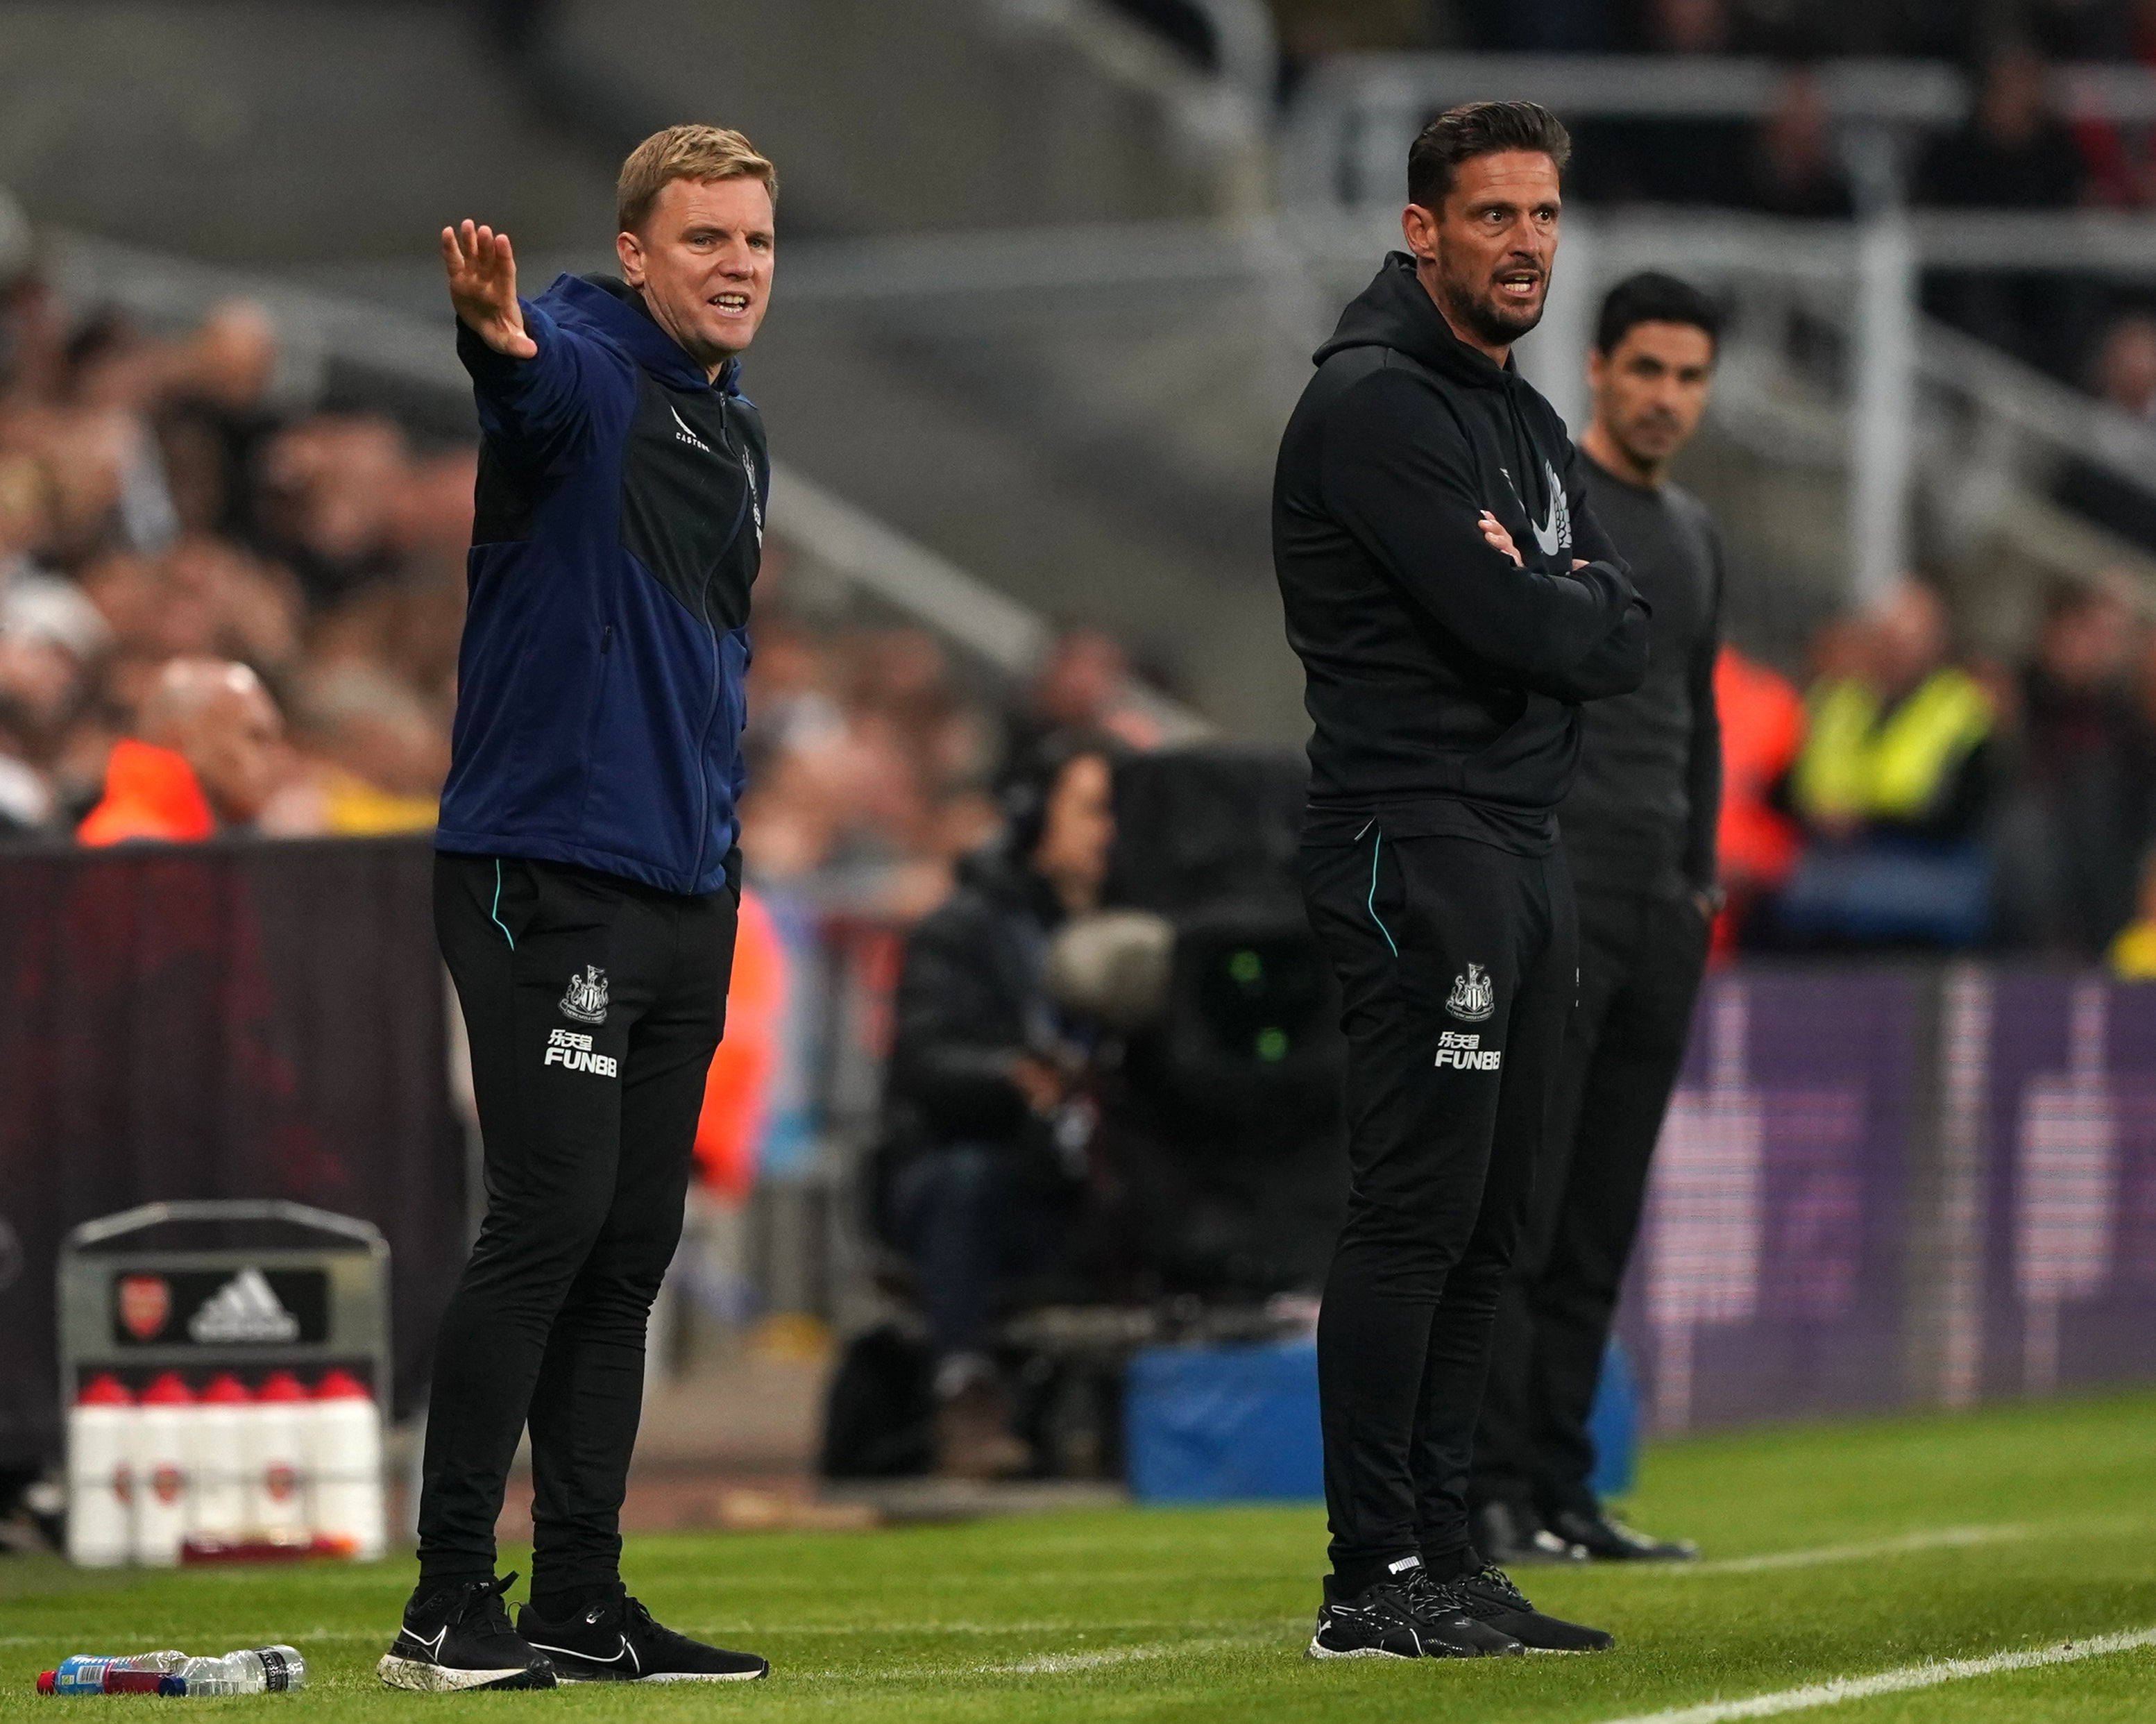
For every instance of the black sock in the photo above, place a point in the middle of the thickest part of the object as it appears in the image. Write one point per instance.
(1452, 1565)
(1342, 1585)
(559, 1605)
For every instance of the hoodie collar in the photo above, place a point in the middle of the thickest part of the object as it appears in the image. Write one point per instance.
(1396, 312)
(609, 306)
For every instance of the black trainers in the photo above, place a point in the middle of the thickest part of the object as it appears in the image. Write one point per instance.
(1513, 1535)
(1450, 1628)
(1609, 1540)
(459, 1638)
(1407, 1617)
(616, 1641)
(1489, 1596)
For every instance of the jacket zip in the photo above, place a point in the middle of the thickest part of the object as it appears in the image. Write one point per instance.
(711, 628)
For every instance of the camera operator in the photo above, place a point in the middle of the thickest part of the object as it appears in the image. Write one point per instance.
(983, 1116)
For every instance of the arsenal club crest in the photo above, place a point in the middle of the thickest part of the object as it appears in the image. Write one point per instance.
(586, 1001)
(145, 1302)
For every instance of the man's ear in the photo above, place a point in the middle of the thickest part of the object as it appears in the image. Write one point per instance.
(629, 249)
(1419, 227)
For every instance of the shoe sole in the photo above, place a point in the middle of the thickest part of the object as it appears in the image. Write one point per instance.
(579, 1679)
(418, 1676)
(1316, 1650)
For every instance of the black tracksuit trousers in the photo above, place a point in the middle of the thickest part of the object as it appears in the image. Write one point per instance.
(1456, 967)
(593, 1006)
(1639, 965)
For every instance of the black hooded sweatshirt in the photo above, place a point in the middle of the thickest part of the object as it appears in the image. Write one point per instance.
(1442, 682)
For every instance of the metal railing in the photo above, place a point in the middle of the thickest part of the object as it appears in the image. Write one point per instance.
(1345, 141)
(316, 331)
(1860, 279)
(1864, 279)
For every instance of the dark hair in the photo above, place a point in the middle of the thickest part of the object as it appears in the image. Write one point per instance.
(1028, 784)
(1652, 297)
(1476, 129)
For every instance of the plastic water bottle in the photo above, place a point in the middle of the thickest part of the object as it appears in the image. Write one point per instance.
(257, 1669)
(102, 1428)
(217, 1506)
(275, 1460)
(344, 1466)
(84, 1673)
(167, 1415)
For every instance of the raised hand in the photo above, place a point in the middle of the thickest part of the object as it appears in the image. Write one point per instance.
(483, 288)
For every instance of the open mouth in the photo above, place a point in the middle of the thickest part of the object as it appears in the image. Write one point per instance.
(1521, 284)
(730, 304)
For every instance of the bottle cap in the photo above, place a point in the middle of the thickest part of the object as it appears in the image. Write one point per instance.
(168, 1389)
(45, 1680)
(104, 1390)
(280, 1386)
(226, 1390)
(337, 1385)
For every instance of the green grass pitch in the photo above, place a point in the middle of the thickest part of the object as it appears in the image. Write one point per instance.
(1836, 1551)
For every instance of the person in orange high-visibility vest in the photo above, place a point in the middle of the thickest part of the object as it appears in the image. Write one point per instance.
(737, 1093)
(205, 759)
(1763, 729)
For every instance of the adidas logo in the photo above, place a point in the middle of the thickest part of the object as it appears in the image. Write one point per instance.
(244, 1309)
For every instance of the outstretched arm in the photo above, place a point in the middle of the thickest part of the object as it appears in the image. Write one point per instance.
(537, 384)
(483, 288)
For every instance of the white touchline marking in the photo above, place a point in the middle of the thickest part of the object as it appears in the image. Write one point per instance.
(1049, 1664)
(1929, 1675)
(1938, 1538)
(1055, 1663)
(870, 1627)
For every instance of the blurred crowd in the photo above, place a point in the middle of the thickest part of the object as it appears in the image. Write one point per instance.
(873, 767)
(1789, 29)
(1915, 797)
(271, 600)
(2016, 149)
(220, 612)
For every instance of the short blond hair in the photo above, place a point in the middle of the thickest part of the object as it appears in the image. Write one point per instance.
(696, 153)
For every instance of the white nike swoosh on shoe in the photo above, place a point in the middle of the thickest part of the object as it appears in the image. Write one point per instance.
(434, 1646)
(627, 1652)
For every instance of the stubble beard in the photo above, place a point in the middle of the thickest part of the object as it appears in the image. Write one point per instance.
(1497, 325)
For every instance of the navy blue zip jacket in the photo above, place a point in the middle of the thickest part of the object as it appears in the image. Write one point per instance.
(618, 526)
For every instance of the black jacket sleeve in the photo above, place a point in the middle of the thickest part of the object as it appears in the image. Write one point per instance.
(1397, 473)
(1703, 768)
(1618, 662)
(954, 1035)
